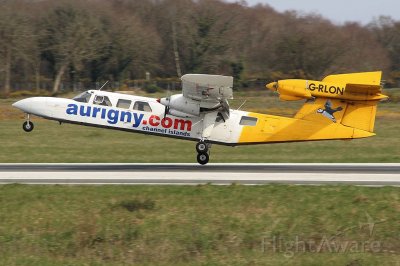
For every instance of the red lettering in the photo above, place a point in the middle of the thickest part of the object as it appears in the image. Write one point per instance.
(183, 124)
(166, 122)
(154, 120)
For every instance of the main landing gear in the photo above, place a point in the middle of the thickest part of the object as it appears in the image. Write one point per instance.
(203, 152)
(27, 126)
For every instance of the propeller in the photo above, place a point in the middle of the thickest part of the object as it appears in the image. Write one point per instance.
(166, 110)
(276, 85)
(166, 101)
(225, 109)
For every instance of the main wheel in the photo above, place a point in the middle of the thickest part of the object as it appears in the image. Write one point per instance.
(27, 126)
(201, 147)
(203, 158)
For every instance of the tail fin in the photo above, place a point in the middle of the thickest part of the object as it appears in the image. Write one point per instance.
(360, 115)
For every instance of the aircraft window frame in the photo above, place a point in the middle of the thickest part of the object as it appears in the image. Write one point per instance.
(124, 103)
(248, 121)
(142, 107)
(105, 101)
(83, 97)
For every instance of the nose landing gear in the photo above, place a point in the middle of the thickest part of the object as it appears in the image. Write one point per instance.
(203, 152)
(27, 126)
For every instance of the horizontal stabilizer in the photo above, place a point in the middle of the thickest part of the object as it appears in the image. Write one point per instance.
(363, 88)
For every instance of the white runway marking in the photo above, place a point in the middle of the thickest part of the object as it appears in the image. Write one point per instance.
(191, 174)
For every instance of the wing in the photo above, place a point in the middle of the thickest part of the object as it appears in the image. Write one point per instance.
(202, 87)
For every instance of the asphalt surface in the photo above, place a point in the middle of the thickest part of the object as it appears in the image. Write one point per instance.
(251, 174)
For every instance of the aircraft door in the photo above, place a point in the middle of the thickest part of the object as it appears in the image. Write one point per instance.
(223, 129)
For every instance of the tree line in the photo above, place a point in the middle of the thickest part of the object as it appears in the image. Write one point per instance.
(122, 40)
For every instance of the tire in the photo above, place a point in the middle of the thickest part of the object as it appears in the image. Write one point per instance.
(203, 158)
(27, 126)
(201, 147)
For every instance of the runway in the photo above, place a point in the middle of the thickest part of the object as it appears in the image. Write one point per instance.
(193, 174)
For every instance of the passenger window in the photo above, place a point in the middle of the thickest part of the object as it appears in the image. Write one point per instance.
(124, 103)
(102, 100)
(248, 121)
(142, 106)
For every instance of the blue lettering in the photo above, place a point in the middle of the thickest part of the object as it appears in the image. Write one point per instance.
(103, 113)
(82, 111)
(112, 116)
(138, 119)
(95, 111)
(72, 109)
(128, 116)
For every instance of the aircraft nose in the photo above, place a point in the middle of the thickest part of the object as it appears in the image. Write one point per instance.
(22, 104)
(33, 105)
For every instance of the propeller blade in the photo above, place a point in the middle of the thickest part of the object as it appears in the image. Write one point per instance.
(166, 110)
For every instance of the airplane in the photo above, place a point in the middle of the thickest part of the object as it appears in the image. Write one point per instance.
(339, 107)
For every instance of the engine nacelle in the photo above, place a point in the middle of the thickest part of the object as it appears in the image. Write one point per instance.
(179, 114)
(181, 105)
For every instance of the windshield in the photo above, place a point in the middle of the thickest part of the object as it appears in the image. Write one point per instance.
(84, 97)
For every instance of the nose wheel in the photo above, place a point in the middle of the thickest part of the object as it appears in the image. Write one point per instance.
(203, 152)
(27, 126)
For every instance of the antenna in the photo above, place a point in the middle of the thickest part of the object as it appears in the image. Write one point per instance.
(242, 104)
(103, 85)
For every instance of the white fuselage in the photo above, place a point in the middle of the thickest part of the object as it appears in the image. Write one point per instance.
(131, 113)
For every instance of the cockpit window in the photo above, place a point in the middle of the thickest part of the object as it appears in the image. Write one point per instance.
(142, 106)
(84, 97)
(102, 100)
(248, 121)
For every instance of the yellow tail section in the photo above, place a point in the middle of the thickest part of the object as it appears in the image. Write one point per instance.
(370, 78)
(358, 115)
(338, 107)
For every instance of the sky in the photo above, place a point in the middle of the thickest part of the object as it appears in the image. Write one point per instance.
(338, 11)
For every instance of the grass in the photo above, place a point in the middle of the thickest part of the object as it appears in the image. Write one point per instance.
(49, 142)
(197, 225)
